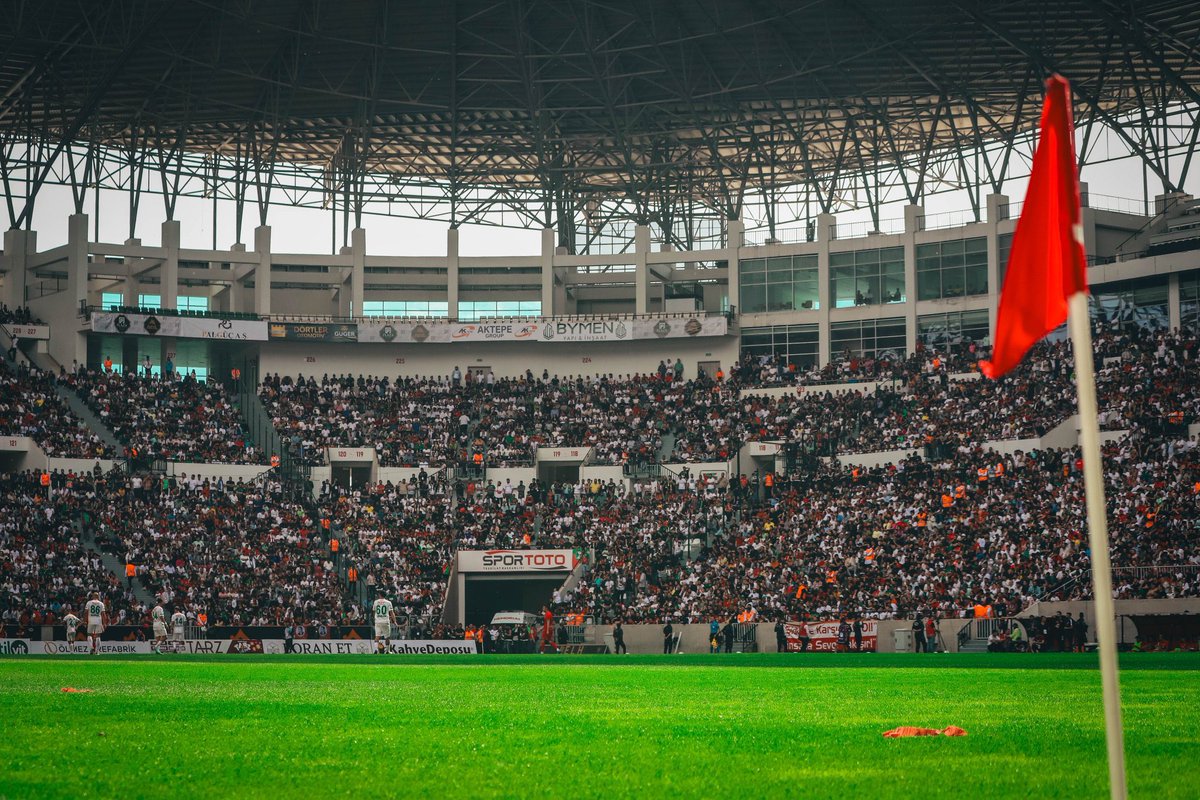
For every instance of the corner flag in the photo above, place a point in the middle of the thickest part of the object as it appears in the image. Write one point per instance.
(1046, 265)
(1047, 283)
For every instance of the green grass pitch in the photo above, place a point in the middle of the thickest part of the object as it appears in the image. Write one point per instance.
(591, 726)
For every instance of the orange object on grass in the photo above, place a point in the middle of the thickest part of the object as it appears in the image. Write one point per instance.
(905, 731)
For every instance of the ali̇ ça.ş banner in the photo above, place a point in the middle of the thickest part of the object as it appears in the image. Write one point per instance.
(823, 635)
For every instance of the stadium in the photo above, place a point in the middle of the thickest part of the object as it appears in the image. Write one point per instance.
(568, 399)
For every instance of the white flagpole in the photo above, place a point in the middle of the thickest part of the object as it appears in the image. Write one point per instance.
(1097, 523)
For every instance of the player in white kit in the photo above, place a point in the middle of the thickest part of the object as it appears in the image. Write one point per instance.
(384, 617)
(72, 623)
(159, 618)
(178, 627)
(97, 618)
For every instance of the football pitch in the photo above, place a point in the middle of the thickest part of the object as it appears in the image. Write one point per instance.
(591, 726)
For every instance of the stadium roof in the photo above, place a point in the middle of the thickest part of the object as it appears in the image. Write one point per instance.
(648, 105)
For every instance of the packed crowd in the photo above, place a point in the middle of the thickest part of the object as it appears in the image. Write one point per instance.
(934, 538)
(176, 418)
(928, 397)
(45, 566)
(239, 553)
(30, 406)
(456, 420)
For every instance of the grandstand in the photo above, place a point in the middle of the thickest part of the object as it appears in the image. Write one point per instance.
(728, 378)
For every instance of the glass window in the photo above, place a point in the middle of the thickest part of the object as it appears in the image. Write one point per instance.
(193, 303)
(150, 301)
(1189, 300)
(110, 301)
(191, 357)
(867, 277)
(1004, 242)
(405, 308)
(868, 338)
(796, 344)
(783, 283)
(957, 268)
(470, 310)
(1138, 303)
(955, 328)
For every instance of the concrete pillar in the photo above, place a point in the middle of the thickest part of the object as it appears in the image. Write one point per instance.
(16, 259)
(641, 289)
(73, 346)
(344, 289)
(262, 272)
(452, 272)
(736, 235)
(77, 259)
(826, 224)
(547, 262)
(997, 210)
(234, 301)
(1173, 310)
(169, 273)
(17, 246)
(997, 207)
(358, 272)
(914, 220)
(130, 289)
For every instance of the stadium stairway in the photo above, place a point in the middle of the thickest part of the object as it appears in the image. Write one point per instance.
(112, 563)
(89, 418)
(667, 448)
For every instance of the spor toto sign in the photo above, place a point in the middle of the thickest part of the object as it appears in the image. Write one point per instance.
(516, 561)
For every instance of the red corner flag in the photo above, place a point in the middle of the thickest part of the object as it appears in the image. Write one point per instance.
(1046, 264)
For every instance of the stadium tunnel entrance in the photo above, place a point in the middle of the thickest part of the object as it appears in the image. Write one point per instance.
(487, 595)
(483, 582)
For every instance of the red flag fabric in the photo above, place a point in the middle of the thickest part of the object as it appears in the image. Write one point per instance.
(1047, 264)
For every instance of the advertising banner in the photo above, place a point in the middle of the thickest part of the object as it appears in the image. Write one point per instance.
(495, 331)
(235, 330)
(27, 331)
(516, 560)
(241, 647)
(315, 331)
(608, 330)
(135, 324)
(679, 328)
(419, 647)
(823, 636)
(83, 648)
(404, 332)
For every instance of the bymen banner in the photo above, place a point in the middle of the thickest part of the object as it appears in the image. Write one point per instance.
(516, 560)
